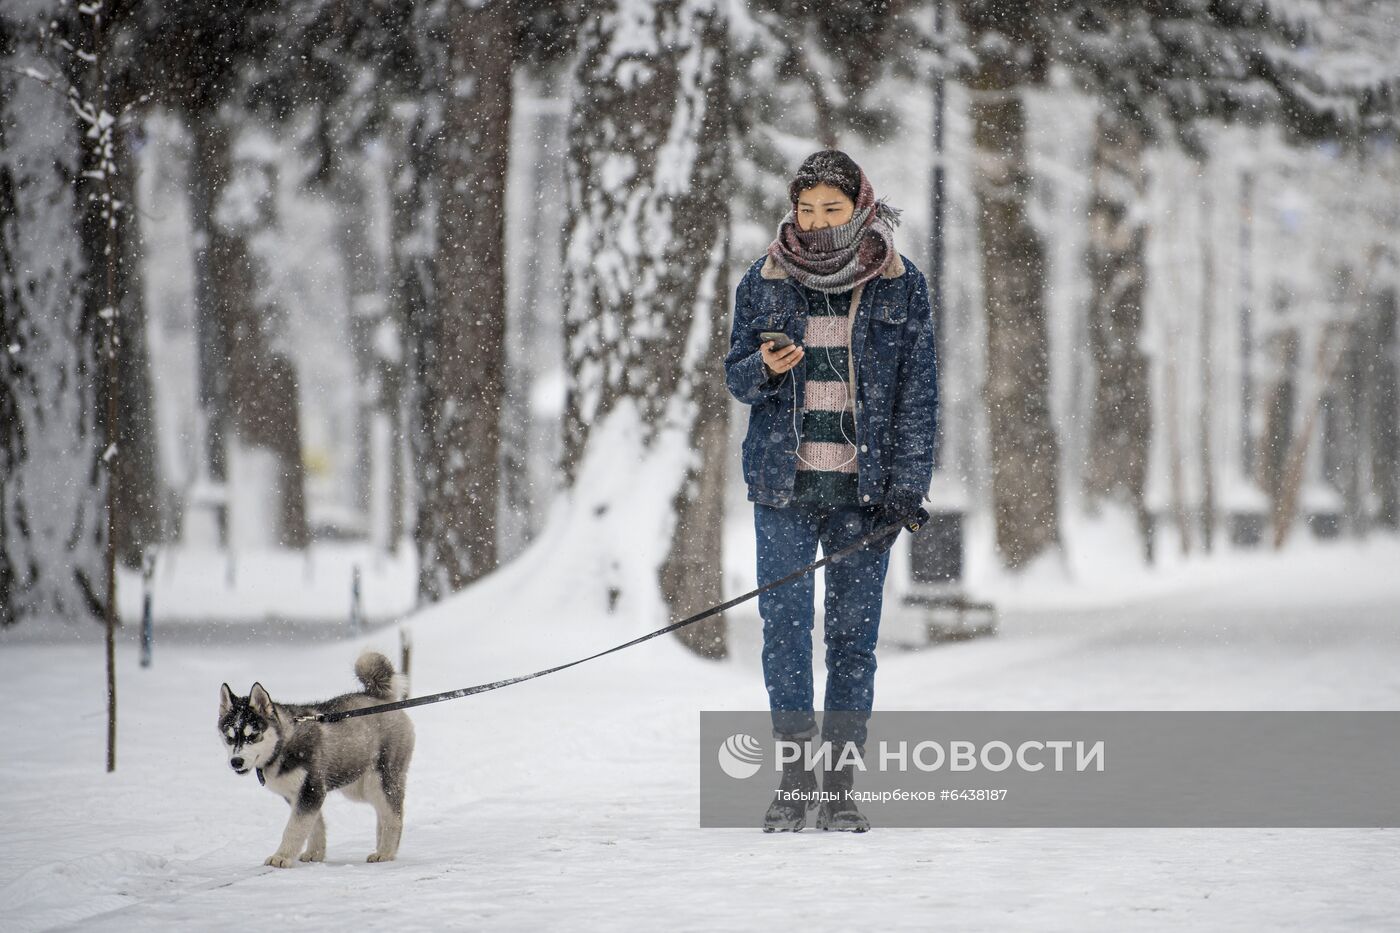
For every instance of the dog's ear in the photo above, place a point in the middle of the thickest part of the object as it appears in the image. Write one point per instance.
(225, 700)
(261, 702)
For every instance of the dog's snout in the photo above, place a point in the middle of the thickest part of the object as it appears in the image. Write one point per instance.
(236, 763)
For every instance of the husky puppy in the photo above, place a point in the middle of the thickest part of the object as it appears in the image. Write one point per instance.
(366, 757)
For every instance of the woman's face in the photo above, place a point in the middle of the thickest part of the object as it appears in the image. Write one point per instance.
(823, 206)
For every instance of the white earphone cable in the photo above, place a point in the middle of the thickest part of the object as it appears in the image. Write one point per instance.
(845, 399)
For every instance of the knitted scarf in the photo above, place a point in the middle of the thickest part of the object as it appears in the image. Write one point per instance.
(836, 259)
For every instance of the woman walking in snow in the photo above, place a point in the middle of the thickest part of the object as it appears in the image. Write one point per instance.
(840, 442)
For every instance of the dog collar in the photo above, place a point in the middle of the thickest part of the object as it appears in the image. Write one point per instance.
(261, 780)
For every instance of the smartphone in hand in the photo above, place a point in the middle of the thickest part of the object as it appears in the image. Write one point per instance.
(779, 338)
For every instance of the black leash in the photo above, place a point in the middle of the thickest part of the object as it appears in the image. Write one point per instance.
(913, 525)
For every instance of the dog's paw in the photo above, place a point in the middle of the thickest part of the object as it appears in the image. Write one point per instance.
(313, 856)
(277, 860)
(379, 857)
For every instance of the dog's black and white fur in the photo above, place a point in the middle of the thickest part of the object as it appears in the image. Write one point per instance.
(366, 757)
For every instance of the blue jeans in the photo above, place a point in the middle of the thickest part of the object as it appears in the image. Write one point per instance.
(855, 585)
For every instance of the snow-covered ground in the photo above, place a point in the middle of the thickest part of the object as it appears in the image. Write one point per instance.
(270, 589)
(572, 802)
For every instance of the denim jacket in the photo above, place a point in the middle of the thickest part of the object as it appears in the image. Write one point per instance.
(893, 370)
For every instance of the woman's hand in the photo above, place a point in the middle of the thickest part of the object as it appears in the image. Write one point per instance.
(780, 361)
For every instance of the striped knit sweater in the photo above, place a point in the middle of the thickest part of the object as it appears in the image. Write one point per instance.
(826, 465)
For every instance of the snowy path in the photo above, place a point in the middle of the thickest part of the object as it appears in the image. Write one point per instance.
(570, 802)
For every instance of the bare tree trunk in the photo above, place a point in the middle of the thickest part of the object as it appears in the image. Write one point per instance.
(263, 401)
(1207, 350)
(102, 222)
(406, 382)
(648, 163)
(1384, 402)
(1291, 467)
(466, 381)
(1120, 425)
(1344, 436)
(1286, 460)
(214, 270)
(391, 379)
(137, 471)
(283, 437)
(1176, 452)
(1120, 429)
(1278, 416)
(1024, 450)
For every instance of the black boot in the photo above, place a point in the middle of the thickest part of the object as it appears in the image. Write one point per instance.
(838, 810)
(797, 793)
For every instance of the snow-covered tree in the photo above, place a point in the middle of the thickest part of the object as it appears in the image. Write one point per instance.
(262, 440)
(645, 294)
(66, 64)
(475, 54)
(1010, 47)
(52, 484)
(201, 74)
(247, 389)
(458, 146)
(145, 518)
(433, 83)
(1159, 69)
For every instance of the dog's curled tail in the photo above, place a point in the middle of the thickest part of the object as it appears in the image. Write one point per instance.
(376, 672)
